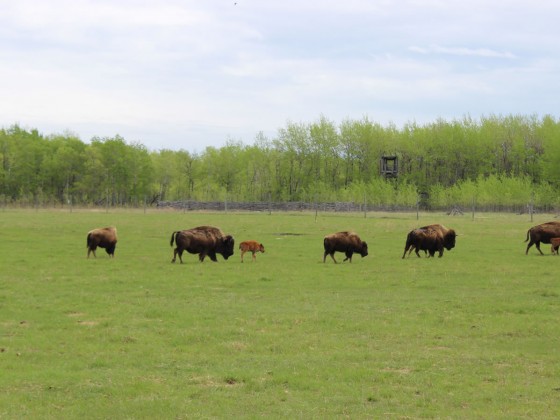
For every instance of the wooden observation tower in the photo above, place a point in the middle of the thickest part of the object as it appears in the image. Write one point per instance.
(389, 166)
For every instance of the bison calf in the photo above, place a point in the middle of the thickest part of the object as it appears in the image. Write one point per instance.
(103, 238)
(347, 242)
(250, 246)
(555, 245)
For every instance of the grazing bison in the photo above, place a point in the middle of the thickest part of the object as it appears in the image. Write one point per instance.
(542, 233)
(251, 246)
(430, 238)
(555, 245)
(204, 241)
(103, 238)
(347, 242)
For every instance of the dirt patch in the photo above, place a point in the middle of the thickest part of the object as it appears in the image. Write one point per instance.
(88, 323)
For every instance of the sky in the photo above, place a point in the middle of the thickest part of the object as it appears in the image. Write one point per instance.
(182, 74)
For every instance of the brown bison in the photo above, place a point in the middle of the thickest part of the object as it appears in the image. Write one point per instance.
(347, 242)
(430, 239)
(435, 227)
(103, 238)
(250, 246)
(542, 233)
(204, 241)
(555, 242)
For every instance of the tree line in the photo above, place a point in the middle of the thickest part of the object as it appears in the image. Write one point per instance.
(497, 161)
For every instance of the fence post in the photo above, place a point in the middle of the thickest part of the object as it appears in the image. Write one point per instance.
(531, 205)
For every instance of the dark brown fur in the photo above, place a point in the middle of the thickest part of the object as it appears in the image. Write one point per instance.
(430, 238)
(103, 238)
(347, 242)
(250, 246)
(542, 233)
(204, 241)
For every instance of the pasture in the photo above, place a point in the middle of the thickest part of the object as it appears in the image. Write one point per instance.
(472, 334)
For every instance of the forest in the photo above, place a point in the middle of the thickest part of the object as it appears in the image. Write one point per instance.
(498, 162)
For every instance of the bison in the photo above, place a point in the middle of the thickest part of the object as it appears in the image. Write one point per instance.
(347, 242)
(103, 238)
(436, 227)
(542, 233)
(555, 242)
(204, 241)
(250, 246)
(430, 238)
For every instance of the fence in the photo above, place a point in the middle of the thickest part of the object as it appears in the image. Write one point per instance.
(337, 206)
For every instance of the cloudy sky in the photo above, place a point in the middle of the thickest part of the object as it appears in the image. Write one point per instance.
(185, 74)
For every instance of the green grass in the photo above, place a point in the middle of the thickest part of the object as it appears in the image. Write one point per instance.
(474, 334)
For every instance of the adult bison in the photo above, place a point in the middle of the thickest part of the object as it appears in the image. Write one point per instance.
(430, 238)
(103, 238)
(204, 241)
(347, 242)
(437, 228)
(542, 233)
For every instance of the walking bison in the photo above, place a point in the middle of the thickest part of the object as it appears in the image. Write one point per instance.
(542, 233)
(103, 238)
(347, 242)
(250, 246)
(204, 241)
(430, 239)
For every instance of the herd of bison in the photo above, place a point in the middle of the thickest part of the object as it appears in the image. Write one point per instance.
(209, 241)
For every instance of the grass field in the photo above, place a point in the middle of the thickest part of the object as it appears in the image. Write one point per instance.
(474, 334)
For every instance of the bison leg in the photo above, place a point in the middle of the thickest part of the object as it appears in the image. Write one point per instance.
(212, 256)
(254, 256)
(348, 256)
(242, 252)
(92, 250)
(176, 252)
(111, 250)
(331, 254)
(537, 245)
(408, 248)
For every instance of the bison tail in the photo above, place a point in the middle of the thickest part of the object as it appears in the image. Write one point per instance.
(88, 240)
(529, 231)
(173, 235)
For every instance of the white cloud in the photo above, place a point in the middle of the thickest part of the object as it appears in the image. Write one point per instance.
(175, 71)
(462, 51)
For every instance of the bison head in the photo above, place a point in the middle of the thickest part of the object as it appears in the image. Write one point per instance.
(226, 248)
(449, 239)
(364, 251)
